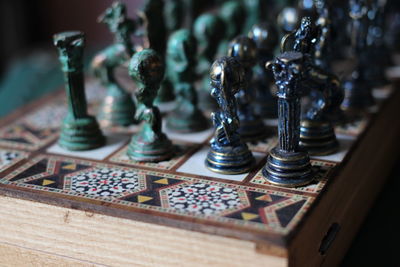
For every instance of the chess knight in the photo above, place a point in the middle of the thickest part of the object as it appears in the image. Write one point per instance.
(228, 154)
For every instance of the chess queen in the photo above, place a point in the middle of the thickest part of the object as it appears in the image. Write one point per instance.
(228, 153)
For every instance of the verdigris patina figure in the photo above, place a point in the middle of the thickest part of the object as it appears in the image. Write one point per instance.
(154, 32)
(287, 164)
(265, 36)
(208, 31)
(228, 153)
(79, 130)
(252, 127)
(174, 12)
(181, 61)
(117, 108)
(150, 144)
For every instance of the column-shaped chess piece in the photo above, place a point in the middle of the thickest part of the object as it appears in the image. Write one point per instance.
(265, 36)
(228, 153)
(287, 165)
(181, 61)
(150, 144)
(79, 131)
(252, 127)
(118, 107)
(208, 31)
(358, 91)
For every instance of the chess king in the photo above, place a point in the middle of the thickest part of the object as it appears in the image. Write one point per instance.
(150, 144)
(287, 164)
(79, 130)
(118, 108)
(228, 153)
(181, 53)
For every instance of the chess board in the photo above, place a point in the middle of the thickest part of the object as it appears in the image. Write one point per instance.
(242, 215)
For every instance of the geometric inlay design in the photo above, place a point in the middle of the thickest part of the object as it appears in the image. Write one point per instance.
(10, 157)
(105, 182)
(205, 199)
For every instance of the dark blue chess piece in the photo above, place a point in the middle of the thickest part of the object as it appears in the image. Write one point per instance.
(287, 164)
(228, 153)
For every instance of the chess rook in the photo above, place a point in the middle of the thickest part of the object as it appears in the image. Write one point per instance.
(150, 144)
(79, 131)
(228, 153)
(287, 165)
(251, 127)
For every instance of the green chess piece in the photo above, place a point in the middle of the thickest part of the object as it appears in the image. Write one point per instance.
(117, 108)
(150, 144)
(174, 14)
(181, 52)
(155, 33)
(79, 131)
(208, 31)
(234, 15)
(256, 12)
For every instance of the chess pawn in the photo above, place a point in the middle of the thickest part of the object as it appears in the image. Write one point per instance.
(79, 131)
(181, 52)
(208, 31)
(117, 108)
(266, 38)
(228, 153)
(150, 144)
(252, 127)
(287, 164)
(155, 35)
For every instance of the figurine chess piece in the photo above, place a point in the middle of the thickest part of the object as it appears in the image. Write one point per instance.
(174, 14)
(181, 53)
(266, 38)
(228, 153)
(117, 108)
(208, 31)
(288, 19)
(324, 89)
(322, 51)
(252, 127)
(155, 37)
(233, 15)
(358, 91)
(256, 11)
(79, 130)
(287, 164)
(150, 144)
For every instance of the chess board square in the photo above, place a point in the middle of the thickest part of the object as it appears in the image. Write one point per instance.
(10, 157)
(345, 143)
(195, 165)
(114, 142)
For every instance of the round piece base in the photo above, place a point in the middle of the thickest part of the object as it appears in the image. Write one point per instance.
(288, 169)
(230, 160)
(253, 131)
(117, 111)
(187, 124)
(160, 150)
(318, 138)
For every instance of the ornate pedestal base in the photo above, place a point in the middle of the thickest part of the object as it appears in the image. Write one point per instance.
(318, 138)
(166, 92)
(187, 123)
(117, 110)
(81, 134)
(159, 150)
(229, 160)
(288, 169)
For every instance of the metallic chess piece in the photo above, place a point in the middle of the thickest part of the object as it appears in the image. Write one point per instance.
(79, 131)
(323, 89)
(181, 60)
(287, 165)
(117, 108)
(155, 37)
(265, 36)
(150, 144)
(288, 19)
(228, 154)
(358, 91)
(208, 31)
(252, 127)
